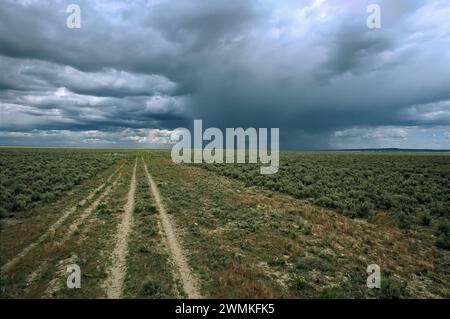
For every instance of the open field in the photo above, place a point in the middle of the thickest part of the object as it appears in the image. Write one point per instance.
(29, 176)
(140, 226)
(413, 188)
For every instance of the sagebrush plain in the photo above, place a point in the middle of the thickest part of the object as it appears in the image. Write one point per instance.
(140, 226)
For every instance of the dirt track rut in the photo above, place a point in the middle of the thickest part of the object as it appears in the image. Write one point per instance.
(117, 272)
(190, 283)
(55, 225)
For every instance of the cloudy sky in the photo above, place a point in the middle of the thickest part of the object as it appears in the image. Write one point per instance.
(137, 70)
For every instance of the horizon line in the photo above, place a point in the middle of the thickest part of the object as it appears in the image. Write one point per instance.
(284, 150)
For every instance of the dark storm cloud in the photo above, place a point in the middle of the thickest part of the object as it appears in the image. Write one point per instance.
(355, 52)
(309, 67)
(33, 74)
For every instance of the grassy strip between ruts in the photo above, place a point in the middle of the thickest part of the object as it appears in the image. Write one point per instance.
(94, 243)
(150, 273)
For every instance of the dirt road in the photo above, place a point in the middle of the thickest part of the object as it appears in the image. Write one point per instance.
(190, 284)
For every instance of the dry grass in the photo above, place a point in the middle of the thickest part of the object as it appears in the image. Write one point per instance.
(241, 242)
(41, 273)
(308, 251)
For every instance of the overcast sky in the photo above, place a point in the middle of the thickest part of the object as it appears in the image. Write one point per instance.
(137, 70)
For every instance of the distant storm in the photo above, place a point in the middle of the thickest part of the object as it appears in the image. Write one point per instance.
(137, 70)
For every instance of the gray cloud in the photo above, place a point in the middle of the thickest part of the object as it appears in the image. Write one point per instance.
(311, 68)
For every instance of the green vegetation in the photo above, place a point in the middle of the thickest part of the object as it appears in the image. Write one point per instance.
(149, 272)
(444, 235)
(392, 288)
(257, 243)
(250, 236)
(32, 176)
(415, 188)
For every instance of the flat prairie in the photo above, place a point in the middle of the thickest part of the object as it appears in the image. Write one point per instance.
(140, 226)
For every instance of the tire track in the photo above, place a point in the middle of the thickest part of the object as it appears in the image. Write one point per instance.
(55, 225)
(72, 228)
(88, 211)
(116, 274)
(189, 282)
